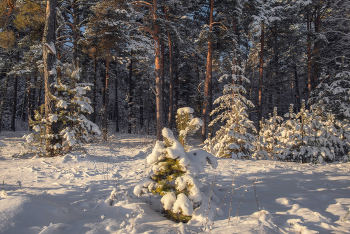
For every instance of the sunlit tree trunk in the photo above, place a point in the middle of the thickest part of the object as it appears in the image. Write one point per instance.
(105, 102)
(159, 94)
(208, 78)
(49, 58)
(261, 72)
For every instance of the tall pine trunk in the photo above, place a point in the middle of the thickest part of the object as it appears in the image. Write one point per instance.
(159, 94)
(116, 107)
(94, 90)
(261, 72)
(171, 83)
(308, 23)
(130, 99)
(316, 50)
(105, 102)
(49, 57)
(4, 94)
(14, 104)
(208, 78)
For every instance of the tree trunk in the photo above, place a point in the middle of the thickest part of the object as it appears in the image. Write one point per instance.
(105, 103)
(261, 72)
(308, 54)
(116, 107)
(159, 94)
(75, 29)
(297, 90)
(14, 104)
(23, 117)
(94, 91)
(163, 81)
(316, 50)
(49, 53)
(171, 83)
(3, 99)
(130, 99)
(208, 78)
(141, 113)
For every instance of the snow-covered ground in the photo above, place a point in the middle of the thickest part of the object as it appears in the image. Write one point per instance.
(92, 192)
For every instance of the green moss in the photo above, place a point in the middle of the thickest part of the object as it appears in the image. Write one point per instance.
(177, 217)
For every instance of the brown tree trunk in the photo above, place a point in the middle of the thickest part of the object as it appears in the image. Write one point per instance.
(116, 107)
(207, 88)
(176, 88)
(171, 85)
(130, 100)
(162, 60)
(261, 72)
(3, 99)
(94, 90)
(75, 17)
(14, 104)
(317, 25)
(297, 90)
(159, 88)
(105, 103)
(308, 54)
(49, 54)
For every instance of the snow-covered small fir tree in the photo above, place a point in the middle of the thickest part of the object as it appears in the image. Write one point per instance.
(186, 125)
(173, 176)
(71, 105)
(267, 139)
(234, 139)
(309, 136)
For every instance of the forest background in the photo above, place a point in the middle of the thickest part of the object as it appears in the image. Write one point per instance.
(146, 59)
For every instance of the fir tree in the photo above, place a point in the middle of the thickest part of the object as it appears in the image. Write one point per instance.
(71, 107)
(173, 176)
(233, 139)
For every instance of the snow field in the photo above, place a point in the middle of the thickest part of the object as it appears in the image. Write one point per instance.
(92, 192)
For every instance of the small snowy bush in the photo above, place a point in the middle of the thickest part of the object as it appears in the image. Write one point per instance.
(173, 176)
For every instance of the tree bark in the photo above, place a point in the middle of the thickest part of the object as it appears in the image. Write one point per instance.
(297, 90)
(130, 99)
(261, 72)
(159, 94)
(94, 91)
(171, 83)
(14, 104)
(208, 78)
(105, 103)
(75, 29)
(49, 54)
(3, 99)
(308, 54)
(116, 107)
(316, 50)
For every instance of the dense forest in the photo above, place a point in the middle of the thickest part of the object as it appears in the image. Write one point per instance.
(265, 73)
